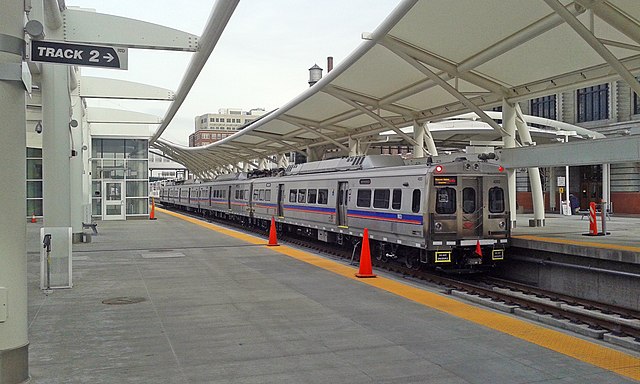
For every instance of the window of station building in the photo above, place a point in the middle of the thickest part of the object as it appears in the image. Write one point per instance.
(313, 196)
(544, 107)
(302, 196)
(293, 195)
(593, 103)
(364, 198)
(323, 196)
(445, 200)
(34, 182)
(396, 202)
(496, 200)
(381, 198)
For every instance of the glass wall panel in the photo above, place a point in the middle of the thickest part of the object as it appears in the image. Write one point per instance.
(96, 148)
(113, 148)
(34, 168)
(137, 188)
(96, 165)
(137, 206)
(96, 189)
(34, 189)
(136, 149)
(137, 169)
(34, 152)
(96, 207)
(34, 207)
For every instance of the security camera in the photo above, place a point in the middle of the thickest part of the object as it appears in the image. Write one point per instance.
(39, 127)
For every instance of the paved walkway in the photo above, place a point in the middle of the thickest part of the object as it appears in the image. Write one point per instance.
(223, 309)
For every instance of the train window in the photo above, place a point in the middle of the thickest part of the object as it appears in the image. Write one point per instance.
(255, 194)
(340, 194)
(237, 194)
(246, 194)
(445, 200)
(313, 195)
(261, 195)
(396, 203)
(302, 196)
(364, 198)
(496, 200)
(468, 200)
(267, 195)
(293, 195)
(415, 201)
(323, 196)
(381, 198)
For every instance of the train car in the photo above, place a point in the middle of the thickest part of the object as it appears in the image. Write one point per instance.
(446, 214)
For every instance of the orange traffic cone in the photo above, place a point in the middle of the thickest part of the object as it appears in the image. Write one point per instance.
(152, 215)
(478, 249)
(273, 239)
(33, 218)
(365, 257)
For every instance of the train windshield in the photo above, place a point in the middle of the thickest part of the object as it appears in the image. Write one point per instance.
(445, 200)
(496, 200)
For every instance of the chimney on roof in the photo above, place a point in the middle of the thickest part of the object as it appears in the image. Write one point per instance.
(329, 63)
(315, 74)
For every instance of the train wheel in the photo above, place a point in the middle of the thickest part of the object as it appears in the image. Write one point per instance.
(411, 262)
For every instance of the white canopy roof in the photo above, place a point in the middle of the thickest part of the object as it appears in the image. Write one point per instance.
(430, 60)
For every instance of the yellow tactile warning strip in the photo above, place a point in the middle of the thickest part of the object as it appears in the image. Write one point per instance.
(577, 242)
(583, 350)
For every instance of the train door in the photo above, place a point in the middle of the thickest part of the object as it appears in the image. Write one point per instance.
(470, 207)
(229, 198)
(280, 200)
(341, 202)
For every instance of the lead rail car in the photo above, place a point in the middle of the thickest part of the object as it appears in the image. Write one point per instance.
(450, 215)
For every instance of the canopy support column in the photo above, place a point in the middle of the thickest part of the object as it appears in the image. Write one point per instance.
(509, 129)
(537, 194)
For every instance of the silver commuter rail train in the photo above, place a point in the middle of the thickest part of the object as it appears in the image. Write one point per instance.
(452, 215)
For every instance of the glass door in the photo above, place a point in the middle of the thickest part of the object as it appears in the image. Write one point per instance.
(113, 200)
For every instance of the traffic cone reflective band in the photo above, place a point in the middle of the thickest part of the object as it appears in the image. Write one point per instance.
(33, 218)
(593, 225)
(365, 257)
(273, 239)
(152, 215)
(478, 249)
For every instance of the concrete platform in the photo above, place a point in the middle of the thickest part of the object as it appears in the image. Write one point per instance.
(566, 235)
(223, 309)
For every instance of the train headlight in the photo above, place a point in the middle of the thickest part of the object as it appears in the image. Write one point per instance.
(438, 226)
(502, 224)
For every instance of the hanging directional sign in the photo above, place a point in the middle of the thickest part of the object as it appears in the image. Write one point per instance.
(79, 54)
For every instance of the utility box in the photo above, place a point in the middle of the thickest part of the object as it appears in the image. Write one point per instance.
(56, 268)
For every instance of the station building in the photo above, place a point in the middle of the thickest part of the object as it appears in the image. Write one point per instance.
(212, 127)
(609, 108)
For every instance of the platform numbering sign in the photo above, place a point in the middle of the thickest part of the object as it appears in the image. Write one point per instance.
(79, 54)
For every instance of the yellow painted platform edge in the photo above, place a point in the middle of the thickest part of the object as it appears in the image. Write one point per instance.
(583, 350)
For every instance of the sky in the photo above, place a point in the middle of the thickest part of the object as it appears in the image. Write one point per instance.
(261, 60)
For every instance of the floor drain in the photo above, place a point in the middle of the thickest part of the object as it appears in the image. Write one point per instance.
(123, 300)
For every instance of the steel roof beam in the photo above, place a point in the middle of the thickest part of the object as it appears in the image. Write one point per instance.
(308, 122)
(360, 98)
(597, 46)
(315, 132)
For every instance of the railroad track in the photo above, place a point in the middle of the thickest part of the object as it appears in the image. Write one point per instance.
(601, 318)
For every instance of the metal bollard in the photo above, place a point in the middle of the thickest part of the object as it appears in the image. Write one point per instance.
(46, 243)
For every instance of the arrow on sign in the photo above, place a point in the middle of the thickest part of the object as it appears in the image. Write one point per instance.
(108, 56)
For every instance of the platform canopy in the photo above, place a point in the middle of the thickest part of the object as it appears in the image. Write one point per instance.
(434, 59)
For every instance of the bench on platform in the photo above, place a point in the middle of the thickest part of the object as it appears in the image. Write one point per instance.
(585, 213)
(92, 226)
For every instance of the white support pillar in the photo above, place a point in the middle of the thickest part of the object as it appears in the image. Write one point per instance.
(428, 139)
(354, 147)
(283, 160)
(606, 185)
(14, 343)
(418, 136)
(509, 138)
(537, 194)
(77, 162)
(263, 164)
